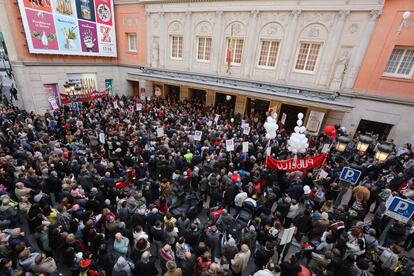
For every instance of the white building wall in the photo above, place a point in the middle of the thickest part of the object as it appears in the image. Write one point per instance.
(341, 27)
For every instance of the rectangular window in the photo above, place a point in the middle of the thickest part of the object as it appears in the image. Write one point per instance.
(204, 48)
(307, 56)
(132, 42)
(236, 47)
(176, 47)
(268, 53)
(401, 63)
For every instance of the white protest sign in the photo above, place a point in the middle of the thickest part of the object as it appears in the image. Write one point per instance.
(102, 138)
(245, 146)
(216, 118)
(230, 145)
(283, 119)
(121, 103)
(323, 174)
(53, 103)
(287, 235)
(139, 106)
(160, 132)
(209, 123)
(325, 148)
(246, 130)
(116, 104)
(197, 135)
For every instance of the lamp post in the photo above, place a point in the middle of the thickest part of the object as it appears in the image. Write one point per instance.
(342, 143)
(364, 142)
(382, 153)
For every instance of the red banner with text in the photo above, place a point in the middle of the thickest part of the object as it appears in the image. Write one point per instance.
(295, 164)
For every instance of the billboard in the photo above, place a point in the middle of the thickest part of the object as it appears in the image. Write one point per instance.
(69, 27)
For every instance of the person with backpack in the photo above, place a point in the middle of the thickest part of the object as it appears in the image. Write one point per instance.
(389, 258)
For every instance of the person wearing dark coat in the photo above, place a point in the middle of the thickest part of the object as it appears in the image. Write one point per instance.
(303, 224)
(146, 265)
(263, 255)
(229, 195)
(188, 264)
(291, 267)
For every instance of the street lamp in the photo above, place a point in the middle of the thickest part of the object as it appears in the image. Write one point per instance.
(382, 152)
(342, 143)
(364, 142)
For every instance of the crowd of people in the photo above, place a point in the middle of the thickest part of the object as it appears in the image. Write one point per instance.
(116, 188)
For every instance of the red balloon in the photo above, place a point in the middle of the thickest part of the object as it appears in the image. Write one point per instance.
(328, 130)
(120, 185)
(333, 133)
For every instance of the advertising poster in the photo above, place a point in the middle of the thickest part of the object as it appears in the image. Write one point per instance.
(67, 33)
(64, 7)
(44, 5)
(51, 93)
(314, 122)
(85, 10)
(88, 37)
(42, 30)
(103, 12)
(69, 27)
(108, 86)
(87, 81)
(106, 36)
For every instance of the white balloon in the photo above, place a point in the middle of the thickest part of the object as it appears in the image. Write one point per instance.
(300, 116)
(277, 126)
(267, 136)
(297, 129)
(302, 129)
(273, 135)
(299, 122)
(232, 120)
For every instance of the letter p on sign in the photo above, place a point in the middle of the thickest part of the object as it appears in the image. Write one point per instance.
(350, 175)
(401, 207)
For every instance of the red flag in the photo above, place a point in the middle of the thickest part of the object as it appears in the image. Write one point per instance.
(228, 58)
(298, 164)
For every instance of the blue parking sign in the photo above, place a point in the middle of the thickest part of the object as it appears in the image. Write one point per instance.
(350, 175)
(400, 209)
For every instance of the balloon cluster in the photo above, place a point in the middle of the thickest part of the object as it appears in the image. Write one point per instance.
(330, 131)
(271, 126)
(298, 143)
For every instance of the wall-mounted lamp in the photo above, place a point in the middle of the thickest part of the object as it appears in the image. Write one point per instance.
(403, 24)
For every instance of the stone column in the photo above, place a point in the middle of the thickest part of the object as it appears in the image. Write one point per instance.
(210, 98)
(332, 47)
(240, 106)
(358, 56)
(184, 93)
(249, 63)
(217, 41)
(188, 41)
(163, 44)
(288, 44)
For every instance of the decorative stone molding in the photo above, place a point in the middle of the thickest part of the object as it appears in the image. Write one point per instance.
(272, 30)
(204, 28)
(375, 14)
(175, 27)
(315, 31)
(353, 28)
(344, 13)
